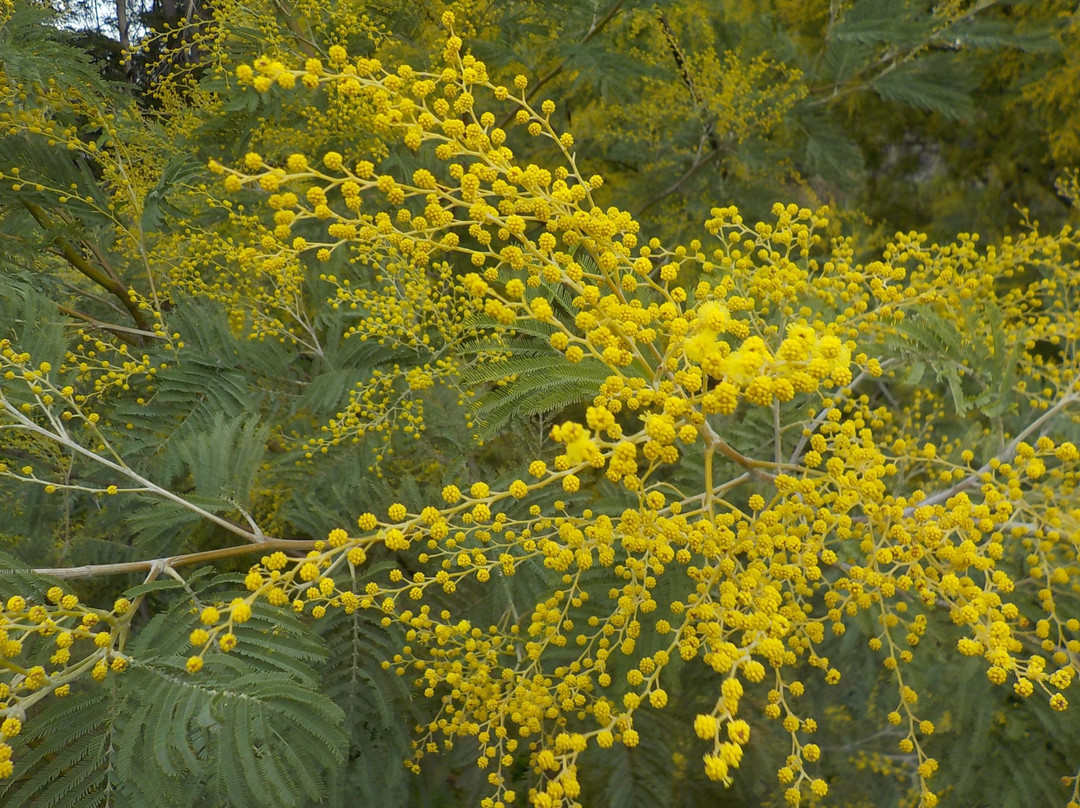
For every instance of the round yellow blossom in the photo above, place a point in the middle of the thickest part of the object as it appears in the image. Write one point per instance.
(715, 768)
(739, 731)
(705, 727)
(395, 540)
(240, 610)
(209, 616)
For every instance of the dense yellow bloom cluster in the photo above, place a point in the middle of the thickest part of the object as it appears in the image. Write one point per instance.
(749, 558)
(777, 323)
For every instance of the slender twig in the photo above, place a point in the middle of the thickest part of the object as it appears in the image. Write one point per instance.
(778, 447)
(675, 186)
(60, 436)
(119, 331)
(594, 29)
(292, 20)
(1002, 456)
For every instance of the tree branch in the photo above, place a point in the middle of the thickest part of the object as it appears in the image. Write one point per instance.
(93, 570)
(79, 262)
(1003, 456)
(60, 436)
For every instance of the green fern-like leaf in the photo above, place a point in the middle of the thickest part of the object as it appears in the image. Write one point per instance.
(224, 459)
(984, 34)
(378, 713)
(31, 321)
(880, 21)
(540, 384)
(61, 759)
(252, 728)
(979, 374)
(928, 84)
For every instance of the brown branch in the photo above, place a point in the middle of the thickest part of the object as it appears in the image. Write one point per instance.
(90, 247)
(79, 262)
(752, 466)
(679, 57)
(92, 570)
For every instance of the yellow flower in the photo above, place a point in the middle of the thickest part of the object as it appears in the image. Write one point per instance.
(16, 603)
(715, 768)
(705, 727)
(240, 610)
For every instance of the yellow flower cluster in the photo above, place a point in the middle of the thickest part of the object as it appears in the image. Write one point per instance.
(740, 550)
(767, 321)
(79, 640)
